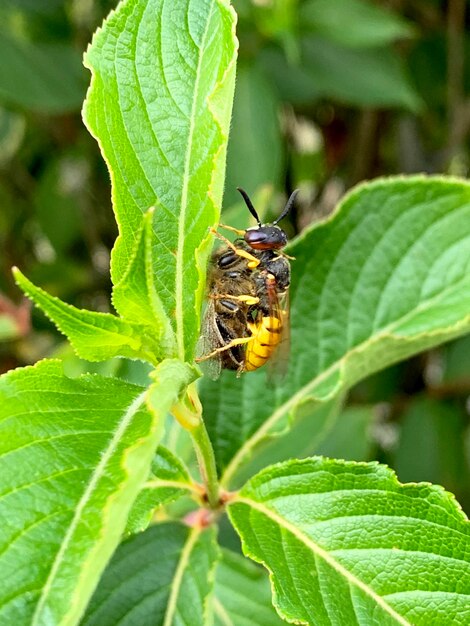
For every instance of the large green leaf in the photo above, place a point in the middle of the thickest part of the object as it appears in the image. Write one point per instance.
(242, 595)
(74, 455)
(346, 543)
(385, 277)
(159, 105)
(160, 577)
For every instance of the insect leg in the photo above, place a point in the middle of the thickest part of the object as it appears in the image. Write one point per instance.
(231, 228)
(235, 342)
(249, 300)
(252, 260)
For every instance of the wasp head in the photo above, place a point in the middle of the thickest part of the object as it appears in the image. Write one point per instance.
(266, 236)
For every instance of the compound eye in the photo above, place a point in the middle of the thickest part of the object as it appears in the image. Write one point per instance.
(227, 259)
(231, 306)
(255, 237)
(266, 238)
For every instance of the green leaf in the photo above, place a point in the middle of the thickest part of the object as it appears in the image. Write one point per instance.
(242, 595)
(346, 543)
(255, 146)
(372, 77)
(360, 77)
(384, 278)
(45, 77)
(94, 336)
(160, 577)
(354, 23)
(292, 79)
(74, 455)
(33, 6)
(135, 296)
(168, 480)
(159, 105)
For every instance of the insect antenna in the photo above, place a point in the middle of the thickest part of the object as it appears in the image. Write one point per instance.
(250, 206)
(288, 206)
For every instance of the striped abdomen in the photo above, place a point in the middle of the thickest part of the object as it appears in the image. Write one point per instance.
(266, 336)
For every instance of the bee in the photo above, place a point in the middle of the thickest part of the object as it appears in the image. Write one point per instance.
(246, 318)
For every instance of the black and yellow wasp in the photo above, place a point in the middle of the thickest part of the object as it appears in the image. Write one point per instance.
(246, 319)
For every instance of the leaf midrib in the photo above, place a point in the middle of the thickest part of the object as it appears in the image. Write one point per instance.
(322, 554)
(178, 577)
(86, 497)
(221, 613)
(179, 291)
(173, 484)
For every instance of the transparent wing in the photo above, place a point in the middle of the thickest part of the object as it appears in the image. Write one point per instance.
(209, 340)
(279, 308)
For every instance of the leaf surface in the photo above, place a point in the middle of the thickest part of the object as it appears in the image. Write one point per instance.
(385, 277)
(74, 455)
(50, 74)
(94, 336)
(242, 595)
(159, 105)
(162, 576)
(357, 76)
(135, 296)
(346, 543)
(368, 25)
(168, 480)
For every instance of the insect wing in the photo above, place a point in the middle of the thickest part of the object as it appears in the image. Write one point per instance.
(209, 340)
(279, 308)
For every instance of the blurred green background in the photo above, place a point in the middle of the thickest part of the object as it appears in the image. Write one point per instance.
(328, 93)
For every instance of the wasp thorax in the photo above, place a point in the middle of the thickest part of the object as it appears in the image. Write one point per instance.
(268, 237)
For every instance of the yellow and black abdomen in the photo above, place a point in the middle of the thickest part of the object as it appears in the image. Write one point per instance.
(266, 335)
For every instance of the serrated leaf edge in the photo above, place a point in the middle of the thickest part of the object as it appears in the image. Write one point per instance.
(202, 251)
(377, 183)
(98, 473)
(134, 343)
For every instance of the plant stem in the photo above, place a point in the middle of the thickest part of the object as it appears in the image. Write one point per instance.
(188, 412)
(206, 461)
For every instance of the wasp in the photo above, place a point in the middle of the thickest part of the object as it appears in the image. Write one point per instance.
(246, 318)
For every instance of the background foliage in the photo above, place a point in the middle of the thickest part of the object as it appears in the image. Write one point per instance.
(317, 106)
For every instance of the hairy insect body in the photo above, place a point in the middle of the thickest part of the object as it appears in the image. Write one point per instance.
(226, 316)
(246, 314)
